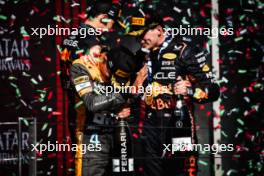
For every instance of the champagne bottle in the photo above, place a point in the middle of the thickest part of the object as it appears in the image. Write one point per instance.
(123, 161)
(181, 138)
(180, 132)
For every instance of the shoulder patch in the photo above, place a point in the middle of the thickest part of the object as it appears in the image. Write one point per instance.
(81, 79)
(200, 94)
(138, 21)
(122, 73)
(206, 68)
(82, 85)
(169, 56)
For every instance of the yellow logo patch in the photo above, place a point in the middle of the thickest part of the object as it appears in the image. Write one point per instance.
(169, 56)
(121, 73)
(81, 79)
(206, 68)
(200, 94)
(138, 21)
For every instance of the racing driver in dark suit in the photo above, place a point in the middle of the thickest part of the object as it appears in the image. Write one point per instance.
(89, 75)
(177, 67)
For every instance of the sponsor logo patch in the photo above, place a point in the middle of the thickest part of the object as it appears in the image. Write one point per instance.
(81, 79)
(169, 56)
(206, 68)
(138, 21)
(121, 73)
(81, 86)
(85, 91)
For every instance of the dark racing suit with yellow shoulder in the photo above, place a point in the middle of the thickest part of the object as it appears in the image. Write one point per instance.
(88, 80)
(175, 57)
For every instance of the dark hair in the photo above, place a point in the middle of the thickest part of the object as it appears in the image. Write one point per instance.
(99, 7)
(149, 27)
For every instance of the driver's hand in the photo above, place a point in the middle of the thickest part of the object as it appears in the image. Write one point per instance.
(180, 87)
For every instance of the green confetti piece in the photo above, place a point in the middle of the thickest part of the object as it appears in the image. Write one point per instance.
(77, 105)
(222, 112)
(13, 85)
(71, 169)
(25, 122)
(2, 17)
(260, 5)
(231, 171)
(41, 100)
(79, 51)
(224, 134)
(44, 127)
(33, 81)
(43, 95)
(59, 48)
(56, 18)
(50, 132)
(251, 174)
(44, 108)
(230, 51)
(256, 107)
(12, 78)
(259, 166)
(103, 38)
(258, 85)
(106, 20)
(23, 32)
(240, 122)
(238, 39)
(242, 17)
(242, 71)
(18, 93)
(41, 91)
(25, 74)
(254, 23)
(202, 162)
(184, 21)
(250, 164)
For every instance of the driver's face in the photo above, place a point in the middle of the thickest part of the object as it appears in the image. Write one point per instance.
(150, 39)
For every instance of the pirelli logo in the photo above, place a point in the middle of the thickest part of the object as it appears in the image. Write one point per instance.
(138, 21)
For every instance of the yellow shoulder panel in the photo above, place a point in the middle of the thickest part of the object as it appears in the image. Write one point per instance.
(91, 68)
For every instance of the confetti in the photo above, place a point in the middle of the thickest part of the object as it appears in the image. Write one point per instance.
(2, 17)
(202, 162)
(44, 127)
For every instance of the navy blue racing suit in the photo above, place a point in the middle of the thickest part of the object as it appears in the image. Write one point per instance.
(175, 57)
